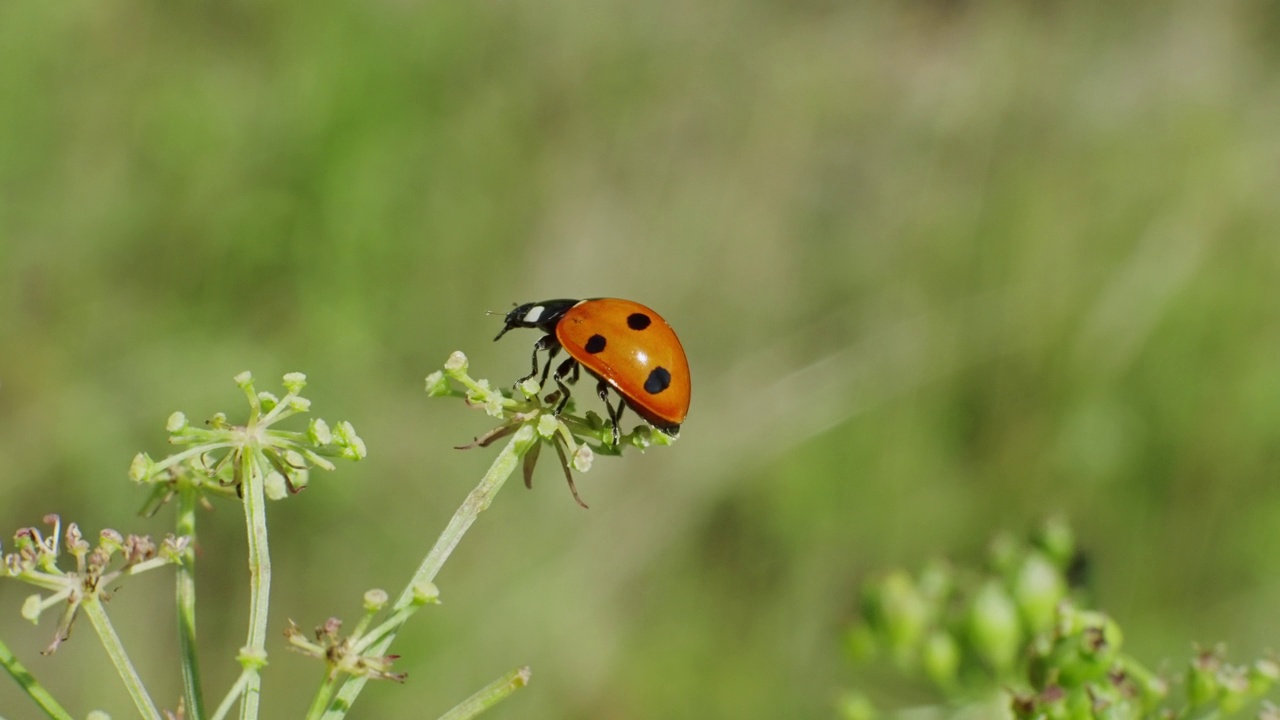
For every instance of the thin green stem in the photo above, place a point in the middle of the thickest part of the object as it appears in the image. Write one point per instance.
(30, 685)
(186, 597)
(490, 695)
(254, 654)
(323, 696)
(477, 501)
(97, 615)
(224, 708)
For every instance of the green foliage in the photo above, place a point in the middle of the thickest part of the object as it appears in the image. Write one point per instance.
(1016, 639)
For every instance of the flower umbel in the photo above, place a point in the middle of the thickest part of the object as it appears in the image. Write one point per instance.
(577, 439)
(213, 463)
(350, 654)
(36, 556)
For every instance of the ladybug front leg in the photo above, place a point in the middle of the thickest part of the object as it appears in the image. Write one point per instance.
(546, 342)
(565, 368)
(615, 412)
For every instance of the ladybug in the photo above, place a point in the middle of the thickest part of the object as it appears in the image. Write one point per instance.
(628, 347)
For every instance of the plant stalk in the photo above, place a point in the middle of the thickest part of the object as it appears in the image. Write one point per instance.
(92, 607)
(476, 502)
(30, 685)
(254, 653)
(192, 693)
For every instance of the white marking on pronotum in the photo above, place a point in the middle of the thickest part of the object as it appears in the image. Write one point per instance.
(534, 313)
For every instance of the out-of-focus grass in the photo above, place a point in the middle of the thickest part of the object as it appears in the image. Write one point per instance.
(938, 267)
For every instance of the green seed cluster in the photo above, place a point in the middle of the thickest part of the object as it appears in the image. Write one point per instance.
(1017, 639)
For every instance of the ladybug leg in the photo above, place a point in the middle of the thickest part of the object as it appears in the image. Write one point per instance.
(615, 411)
(546, 342)
(565, 368)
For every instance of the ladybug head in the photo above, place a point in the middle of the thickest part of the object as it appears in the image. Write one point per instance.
(541, 315)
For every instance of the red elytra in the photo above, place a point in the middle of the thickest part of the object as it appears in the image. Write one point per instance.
(627, 346)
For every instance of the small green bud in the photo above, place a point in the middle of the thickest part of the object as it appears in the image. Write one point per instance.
(177, 422)
(140, 468)
(375, 600)
(274, 487)
(582, 459)
(110, 540)
(268, 400)
(1038, 587)
(529, 388)
(1263, 675)
(456, 364)
(1233, 689)
(352, 446)
(32, 607)
(424, 593)
(896, 609)
(524, 439)
(218, 421)
(299, 404)
(548, 425)
(493, 402)
(856, 706)
(318, 432)
(294, 382)
(1057, 540)
(1202, 678)
(941, 659)
(993, 627)
(244, 379)
(437, 384)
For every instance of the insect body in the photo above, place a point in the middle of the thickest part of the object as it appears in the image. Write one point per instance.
(625, 345)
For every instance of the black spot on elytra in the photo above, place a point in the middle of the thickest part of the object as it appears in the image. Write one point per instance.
(595, 344)
(638, 321)
(659, 379)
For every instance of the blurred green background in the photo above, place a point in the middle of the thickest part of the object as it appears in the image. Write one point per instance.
(939, 267)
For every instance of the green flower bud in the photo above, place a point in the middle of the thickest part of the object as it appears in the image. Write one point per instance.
(294, 382)
(375, 600)
(352, 446)
(548, 425)
(1058, 541)
(1233, 689)
(1202, 678)
(244, 379)
(32, 607)
(140, 468)
(941, 659)
(267, 400)
(1038, 587)
(274, 487)
(456, 364)
(1263, 675)
(994, 629)
(318, 432)
(582, 459)
(897, 611)
(437, 384)
(529, 388)
(424, 593)
(177, 422)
